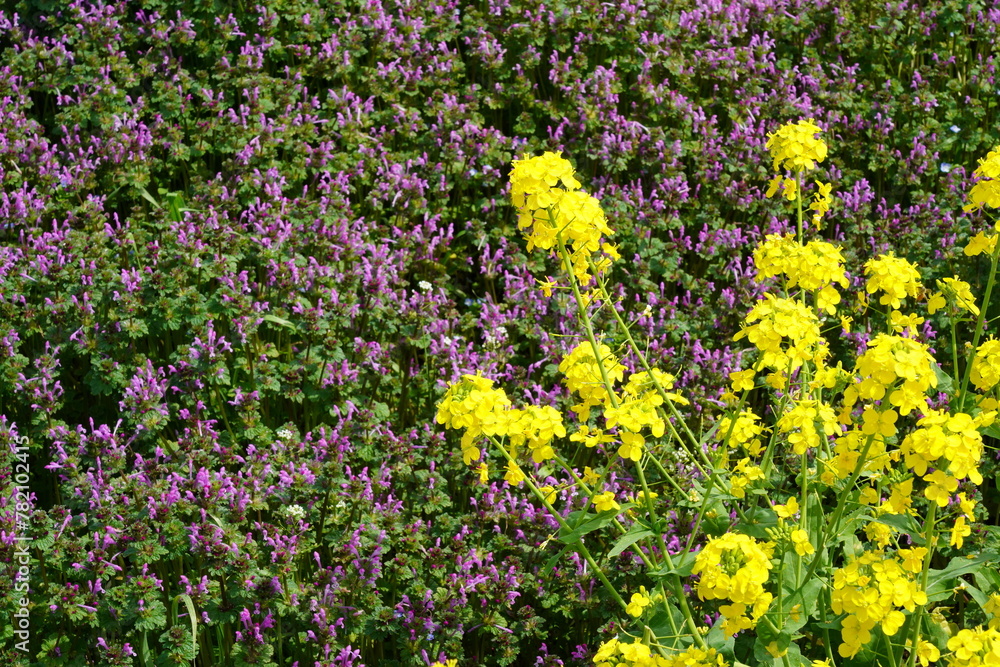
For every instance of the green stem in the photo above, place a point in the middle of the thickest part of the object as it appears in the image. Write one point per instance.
(579, 545)
(838, 512)
(930, 537)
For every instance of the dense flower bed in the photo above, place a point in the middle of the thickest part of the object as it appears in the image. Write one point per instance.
(246, 248)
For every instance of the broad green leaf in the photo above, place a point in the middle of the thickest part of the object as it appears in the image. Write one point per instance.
(627, 540)
(682, 565)
(941, 582)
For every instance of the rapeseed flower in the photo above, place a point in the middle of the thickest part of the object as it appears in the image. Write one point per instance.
(795, 146)
(986, 192)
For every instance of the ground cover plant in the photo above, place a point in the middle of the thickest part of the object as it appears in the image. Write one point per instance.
(247, 248)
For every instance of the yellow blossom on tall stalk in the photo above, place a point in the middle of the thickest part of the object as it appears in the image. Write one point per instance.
(950, 443)
(745, 433)
(550, 214)
(785, 331)
(902, 365)
(974, 648)
(582, 373)
(986, 365)
(795, 146)
(958, 292)
(894, 276)
(800, 424)
(873, 590)
(815, 267)
(986, 192)
(822, 201)
(474, 405)
(735, 567)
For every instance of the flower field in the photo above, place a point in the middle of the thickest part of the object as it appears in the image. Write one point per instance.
(504, 333)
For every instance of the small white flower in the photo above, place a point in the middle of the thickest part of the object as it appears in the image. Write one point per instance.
(955, 128)
(425, 286)
(284, 434)
(295, 512)
(945, 167)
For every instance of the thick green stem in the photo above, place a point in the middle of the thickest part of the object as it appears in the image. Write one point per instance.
(930, 537)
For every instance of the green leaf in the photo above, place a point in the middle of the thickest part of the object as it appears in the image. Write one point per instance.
(941, 582)
(627, 540)
(551, 563)
(148, 197)
(682, 566)
(662, 625)
(591, 522)
(904, 523)
(758, 520)
(192, 614)
(280, 321)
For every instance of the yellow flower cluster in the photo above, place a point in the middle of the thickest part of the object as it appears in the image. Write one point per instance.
(958, 292)
(533, 180)
(551, 214)
(800, 422)
(582, 375)
(986, 366)
(474, 405)
(635, 409)
(814, 267)
(872, 590)
(746, 432)
(614, 653)
(786, 332)
(974, 648)
(795, 147)
(735, 567)
(894, 276)
(954, 438)
(744, 474)
(821, 202)
(536, 425)
(986, 192)
(902, 366)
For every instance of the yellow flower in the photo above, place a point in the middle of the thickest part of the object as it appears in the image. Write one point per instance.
(981, 243)
(795, 147)
(549, 493)
(742, 380)
(894, 276)
(987, 191)
(961, 292)
(631, 447)
(800, 540)
(821, 202)
(604, 502)
(959, 532)
(967, 505)
(546, 286)
(941, 486)
(927, 653)
(789, 509)
(514, 475)
(639, 603)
